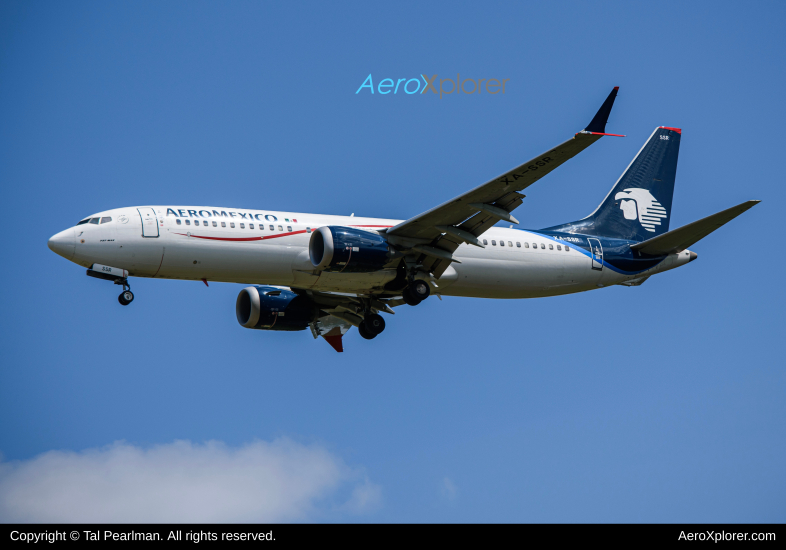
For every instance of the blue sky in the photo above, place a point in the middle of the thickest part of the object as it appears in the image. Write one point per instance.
(658, 403)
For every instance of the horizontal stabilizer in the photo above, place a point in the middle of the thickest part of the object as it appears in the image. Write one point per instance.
(680, 239)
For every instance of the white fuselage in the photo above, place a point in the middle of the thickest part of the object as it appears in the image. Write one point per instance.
(263, 247)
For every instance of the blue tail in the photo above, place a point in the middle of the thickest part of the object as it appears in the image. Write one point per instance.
(639, 205)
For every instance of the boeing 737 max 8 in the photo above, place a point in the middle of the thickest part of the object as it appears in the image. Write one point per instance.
(329, 273)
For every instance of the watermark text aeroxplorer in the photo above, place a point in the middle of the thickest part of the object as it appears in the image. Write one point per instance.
(447, 86)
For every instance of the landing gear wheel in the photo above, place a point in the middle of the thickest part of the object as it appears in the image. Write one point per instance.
(419, 289)
(409, 299)
(126, 297)
(374, 323)
(365, 333)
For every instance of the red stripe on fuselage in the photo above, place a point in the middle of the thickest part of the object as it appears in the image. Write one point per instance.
(243, 238)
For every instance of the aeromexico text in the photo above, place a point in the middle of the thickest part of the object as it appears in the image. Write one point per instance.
(183, 213)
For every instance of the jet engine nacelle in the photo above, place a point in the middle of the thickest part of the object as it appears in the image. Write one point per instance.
(271, 308)
(349, 250)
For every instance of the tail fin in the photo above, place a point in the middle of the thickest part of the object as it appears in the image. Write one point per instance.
(638, 207)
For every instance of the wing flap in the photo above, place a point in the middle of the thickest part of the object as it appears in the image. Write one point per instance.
(679, 239)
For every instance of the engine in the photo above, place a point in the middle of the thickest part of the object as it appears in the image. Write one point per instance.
(348, 250)
(271, 308)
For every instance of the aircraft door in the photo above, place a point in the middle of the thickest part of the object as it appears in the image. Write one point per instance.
(597, 254)
(149, 222)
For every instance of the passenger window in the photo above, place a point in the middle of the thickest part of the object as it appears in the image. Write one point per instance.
(178, 222)
(543, 246)
(232, 225)
(510, 244)
(215, 224)
(94, 220)
(551, 247)
(84, 221)
(502, 243)
(251, 226)
(566, 249)
(289, 228)
(242, 226)
(106, 219)
(280, 228)
(272, 228)
(308, 230)
(559, 247)
(526, 245)
(518, 244)
(188, 222)
(493, 243)
(223, 224)
(485, 242)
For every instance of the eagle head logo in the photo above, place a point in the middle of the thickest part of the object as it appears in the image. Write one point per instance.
(639, 203)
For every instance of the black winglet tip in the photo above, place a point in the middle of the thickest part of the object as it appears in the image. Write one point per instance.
(598, 124)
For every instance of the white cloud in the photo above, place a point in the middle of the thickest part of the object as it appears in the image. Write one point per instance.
(184, 482)
(449, 489)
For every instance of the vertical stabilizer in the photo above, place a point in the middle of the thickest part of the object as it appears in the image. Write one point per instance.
(639, 205)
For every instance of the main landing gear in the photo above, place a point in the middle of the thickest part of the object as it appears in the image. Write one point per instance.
(372, 325)
(416, 292)
(126, 297)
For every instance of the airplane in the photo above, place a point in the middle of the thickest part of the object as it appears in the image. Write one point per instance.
(332, 273)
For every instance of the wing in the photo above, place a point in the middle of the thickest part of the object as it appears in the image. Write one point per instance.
(340, 312)
(437, 233)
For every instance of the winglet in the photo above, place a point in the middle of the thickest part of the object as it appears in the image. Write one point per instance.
(333, 337)
(598, 124)
(335, 341)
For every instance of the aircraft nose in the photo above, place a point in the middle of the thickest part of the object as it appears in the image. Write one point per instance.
(63, 243)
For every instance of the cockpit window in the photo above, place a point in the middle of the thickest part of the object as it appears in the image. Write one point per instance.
(84, 221)
(106, 219)
(94, 220)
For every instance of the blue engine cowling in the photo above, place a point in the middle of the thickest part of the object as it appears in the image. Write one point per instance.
(271, 308)
(349, 250)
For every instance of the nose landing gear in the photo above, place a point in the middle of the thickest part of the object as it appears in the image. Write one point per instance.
(126, 297)
(117, 276)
